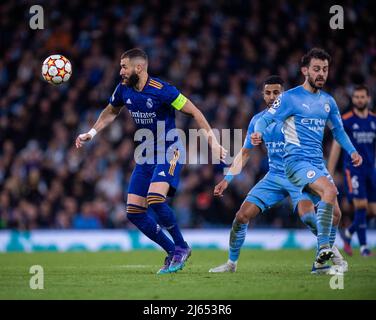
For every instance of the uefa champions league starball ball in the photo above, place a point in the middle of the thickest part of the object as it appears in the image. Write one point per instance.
(56, 69)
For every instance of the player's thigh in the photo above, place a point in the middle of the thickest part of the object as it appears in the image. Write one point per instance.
(267, 192)
(360, 203)
(302, 173)
(139, 185)
(166, 178)
(325, 188)
(161, 187)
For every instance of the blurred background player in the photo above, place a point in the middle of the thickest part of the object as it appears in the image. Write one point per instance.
(149, 101)
(360, 182)
(305, 110)
(272, 189)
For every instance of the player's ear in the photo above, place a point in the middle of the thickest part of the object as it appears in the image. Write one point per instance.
(304, 70)
(138, 68)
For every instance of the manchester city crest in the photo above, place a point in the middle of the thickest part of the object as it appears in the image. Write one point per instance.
(327, 107)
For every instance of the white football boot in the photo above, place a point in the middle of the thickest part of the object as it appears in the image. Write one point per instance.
(229, 266)
(338, 262)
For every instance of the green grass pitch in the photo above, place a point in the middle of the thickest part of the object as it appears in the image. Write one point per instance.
(280, 274)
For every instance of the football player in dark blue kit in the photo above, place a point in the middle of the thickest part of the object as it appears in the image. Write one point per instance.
(360, 182)
(159, 158)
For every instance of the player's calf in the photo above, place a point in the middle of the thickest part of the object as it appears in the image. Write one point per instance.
(166, 216)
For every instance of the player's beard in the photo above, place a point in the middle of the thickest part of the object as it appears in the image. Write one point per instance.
(361, 107)
(132, 81)
(313, 82)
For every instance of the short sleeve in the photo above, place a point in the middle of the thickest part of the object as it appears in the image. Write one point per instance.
(173, 97)
(116, 99)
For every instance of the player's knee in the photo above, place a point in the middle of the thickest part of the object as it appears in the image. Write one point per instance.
(360, 204)
(242, 217)
(246, 213)
(330, 193)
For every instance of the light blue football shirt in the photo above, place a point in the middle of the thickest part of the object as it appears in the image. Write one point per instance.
(304, 116)
(274, 142)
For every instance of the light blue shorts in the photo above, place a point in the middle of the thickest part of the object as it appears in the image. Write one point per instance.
(274, 188)
(301, 173)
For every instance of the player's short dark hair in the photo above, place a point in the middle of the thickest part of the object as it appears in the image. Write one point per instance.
(361, 87)
(134, 53)
(273, 80)
(315, 53)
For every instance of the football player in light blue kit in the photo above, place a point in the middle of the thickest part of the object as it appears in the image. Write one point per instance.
(152, 103)
(273, 188)
(304, 111)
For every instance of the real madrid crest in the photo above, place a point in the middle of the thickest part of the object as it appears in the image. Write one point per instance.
(149, 103)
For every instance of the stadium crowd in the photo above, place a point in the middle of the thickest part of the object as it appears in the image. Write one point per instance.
(216, 52)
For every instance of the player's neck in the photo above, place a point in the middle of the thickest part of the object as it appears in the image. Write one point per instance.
(361, 113)
(309, 88)
(142, 82)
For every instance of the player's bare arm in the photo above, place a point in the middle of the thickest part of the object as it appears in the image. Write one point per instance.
(190, 109)
(236, 167)
(107, 116)
(344, 141)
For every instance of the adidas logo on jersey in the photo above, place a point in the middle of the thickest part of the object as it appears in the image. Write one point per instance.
(129, 101)
(162, 173)
(355, 126)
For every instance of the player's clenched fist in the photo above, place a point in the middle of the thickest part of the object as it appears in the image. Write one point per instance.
(220, 187)
(82, 139)
(219, 152)
(256, 138)
(357, 159)
(85, 137)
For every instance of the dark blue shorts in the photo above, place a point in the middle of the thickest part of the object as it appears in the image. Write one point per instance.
(144, 174)
(360, 184)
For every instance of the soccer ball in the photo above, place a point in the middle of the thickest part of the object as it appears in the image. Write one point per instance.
(56, 69)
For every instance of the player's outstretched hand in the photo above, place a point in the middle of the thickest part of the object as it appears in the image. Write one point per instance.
(223, 153)
(220, 187)
(256, 138)
(82, 139)
(357, 159)
(218, 151)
